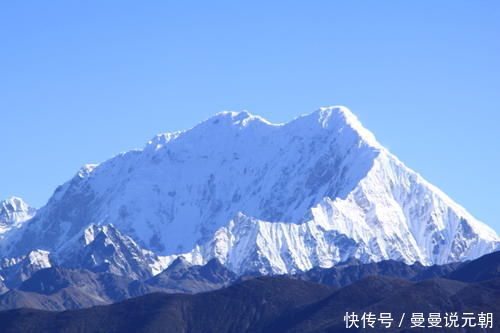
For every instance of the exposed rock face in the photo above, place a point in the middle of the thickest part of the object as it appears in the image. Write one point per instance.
(181, 276)
(105, 249)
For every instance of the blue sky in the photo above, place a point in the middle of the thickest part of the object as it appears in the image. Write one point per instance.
(83, 80)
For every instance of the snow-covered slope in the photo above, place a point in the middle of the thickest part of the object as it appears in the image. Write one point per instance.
(262, 196)
(3, 287)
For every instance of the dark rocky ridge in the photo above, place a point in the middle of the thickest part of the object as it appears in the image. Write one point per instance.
(267, 304)
(62, 288)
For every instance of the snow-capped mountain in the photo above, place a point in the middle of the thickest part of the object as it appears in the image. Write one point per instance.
(13, 212)
(18, 269)
(257, 196)
(105, 249)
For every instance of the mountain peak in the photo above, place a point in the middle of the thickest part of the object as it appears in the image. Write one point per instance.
(236, 115)
(333, 118)
(325, 116)
(228, 120)
(180, 263)
(338, 113)
(339, 118)
(13, 212)
(236, 118)
(14, 204)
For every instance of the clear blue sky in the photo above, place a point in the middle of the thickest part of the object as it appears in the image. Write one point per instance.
(83, 80)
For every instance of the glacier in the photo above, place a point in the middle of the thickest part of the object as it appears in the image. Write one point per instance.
(259, 197)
